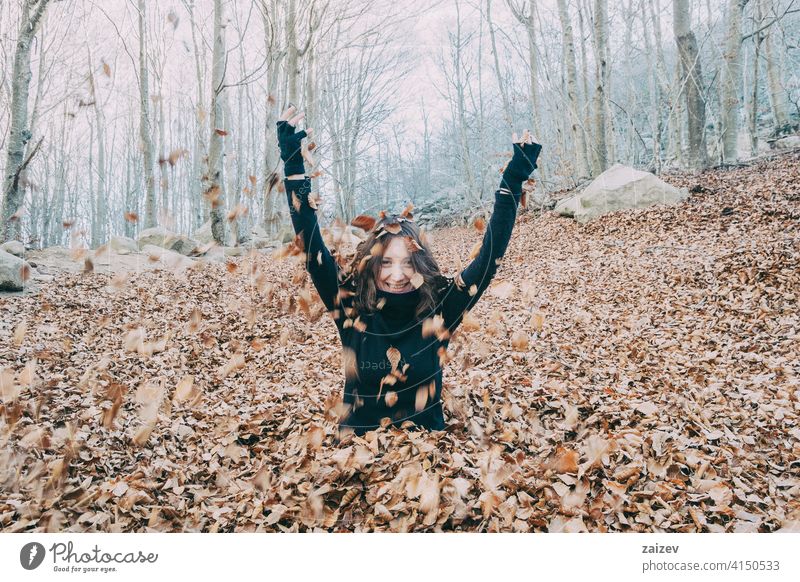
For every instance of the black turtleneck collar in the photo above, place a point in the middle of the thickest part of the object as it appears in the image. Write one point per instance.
(398, 306)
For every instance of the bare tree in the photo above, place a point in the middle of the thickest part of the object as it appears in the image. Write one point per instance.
(731, 80)
(600, 146)
(775, 90)
(692, 82)
(144, 123)
(527, 17)
(581, 161)
(507, 117)
(270, 216)
(216, 150)
(19, 134)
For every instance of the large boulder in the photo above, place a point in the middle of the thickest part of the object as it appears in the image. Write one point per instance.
(123, 245)
(786, 143)
(168, 259)
(11, 272)
(618, 188)
(161, 237)
(13, 247)
(259, 238)
(203, 234)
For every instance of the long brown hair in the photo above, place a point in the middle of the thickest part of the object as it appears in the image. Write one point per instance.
(366, 265)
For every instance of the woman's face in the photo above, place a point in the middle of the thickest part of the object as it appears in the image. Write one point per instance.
(396, 268)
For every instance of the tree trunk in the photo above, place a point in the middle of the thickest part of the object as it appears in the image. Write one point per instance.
(600, 39)
(217, 146)
(271, 207)
(19, 133)
(498, 70)
(775, 90)
(581, 163)
(692, 80)
(293, 54)
(100, 214)
(144, 124)
(731, 80)
(199, 203)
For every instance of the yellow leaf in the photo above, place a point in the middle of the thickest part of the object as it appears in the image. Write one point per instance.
(184, 388)
(421, 398)
(519, 340)
(503, 289)
(19, 333)
(476, 250)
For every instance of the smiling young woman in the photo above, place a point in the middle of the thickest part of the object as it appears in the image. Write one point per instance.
(393, 308)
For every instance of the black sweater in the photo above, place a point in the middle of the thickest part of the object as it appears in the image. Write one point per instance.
(391, 370)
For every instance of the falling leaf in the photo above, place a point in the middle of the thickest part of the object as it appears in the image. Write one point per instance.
(131, 217)
(520, 340)
(238, 211)
(537, 321)
(173, 19)
(421, 398)
(417, 280)
(106, 69)
(9, 389)
(221, 132)
(184, 388)
(503, 289)
(476, 250)
(364, 222)
(235, 363)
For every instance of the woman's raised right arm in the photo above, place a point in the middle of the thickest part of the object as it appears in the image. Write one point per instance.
(320, 264)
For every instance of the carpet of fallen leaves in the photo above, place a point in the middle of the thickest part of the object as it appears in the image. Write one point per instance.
(638, 373)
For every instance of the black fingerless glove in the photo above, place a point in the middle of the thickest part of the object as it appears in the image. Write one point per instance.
(289, 143)
(522, 164)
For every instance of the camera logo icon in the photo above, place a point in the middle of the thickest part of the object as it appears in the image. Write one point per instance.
(31, 555)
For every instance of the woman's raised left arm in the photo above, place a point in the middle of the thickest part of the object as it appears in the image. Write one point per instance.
(470, 284)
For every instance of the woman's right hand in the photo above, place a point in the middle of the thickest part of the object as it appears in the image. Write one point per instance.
(293, 150)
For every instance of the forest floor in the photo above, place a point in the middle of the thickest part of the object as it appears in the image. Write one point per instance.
(651, 385)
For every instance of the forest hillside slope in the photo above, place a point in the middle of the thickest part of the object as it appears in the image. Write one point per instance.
(636, 373)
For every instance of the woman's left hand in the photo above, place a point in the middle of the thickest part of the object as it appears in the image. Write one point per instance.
(290, 141)
(526, 152)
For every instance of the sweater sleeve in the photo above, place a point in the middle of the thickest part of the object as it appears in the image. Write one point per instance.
(320, 264)
(470, 284)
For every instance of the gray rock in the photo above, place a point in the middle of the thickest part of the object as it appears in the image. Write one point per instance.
(160, 236)
(203, 234)
(234, 251)
(123, 245)
(786, 143)
(618, 188)
(11, 270)
(13, 247)
(168, 259)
